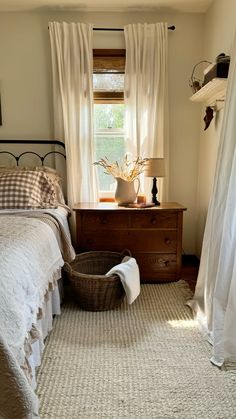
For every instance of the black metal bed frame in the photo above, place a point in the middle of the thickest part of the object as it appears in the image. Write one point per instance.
(41, 157)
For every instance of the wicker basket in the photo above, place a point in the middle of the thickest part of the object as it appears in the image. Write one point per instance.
(93, 290)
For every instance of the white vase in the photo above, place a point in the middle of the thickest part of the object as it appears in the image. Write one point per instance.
(125, 191)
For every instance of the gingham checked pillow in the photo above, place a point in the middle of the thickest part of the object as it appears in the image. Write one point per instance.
(52, 174)
(26, 190)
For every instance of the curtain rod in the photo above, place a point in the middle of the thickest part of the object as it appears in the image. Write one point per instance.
(171, 28)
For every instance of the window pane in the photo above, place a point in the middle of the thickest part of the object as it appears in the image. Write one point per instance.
(108, 82)
(108, 116)
(109, 139)
(113, 148)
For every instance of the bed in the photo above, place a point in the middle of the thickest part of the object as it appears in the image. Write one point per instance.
(34, 245)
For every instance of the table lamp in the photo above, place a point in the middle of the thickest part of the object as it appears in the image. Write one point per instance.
(155, 167)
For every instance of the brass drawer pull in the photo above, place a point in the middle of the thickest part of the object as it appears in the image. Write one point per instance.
(153, 221)
(167, 240)
(163, 263)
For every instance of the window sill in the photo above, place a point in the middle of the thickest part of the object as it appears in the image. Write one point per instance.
(106, 199)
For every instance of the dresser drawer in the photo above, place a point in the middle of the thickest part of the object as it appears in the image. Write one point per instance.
(153, 219)
(162, 241)
(157, 261)
(154, 265)
(99, 220)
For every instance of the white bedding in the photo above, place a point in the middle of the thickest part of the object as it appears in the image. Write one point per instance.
(30, 263)
(51, 307)
(61, 213)
(24, 281)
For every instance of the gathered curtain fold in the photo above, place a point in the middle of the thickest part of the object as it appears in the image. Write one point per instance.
(214, 302)
(146, 95)
(72, 69)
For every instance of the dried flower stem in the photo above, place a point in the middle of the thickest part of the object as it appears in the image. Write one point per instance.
(127, 170)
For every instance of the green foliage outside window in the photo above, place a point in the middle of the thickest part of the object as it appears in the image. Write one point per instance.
(108, 116)
(114, 149)
(111, 144)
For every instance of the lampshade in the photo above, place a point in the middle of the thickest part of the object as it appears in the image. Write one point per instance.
(155, 167)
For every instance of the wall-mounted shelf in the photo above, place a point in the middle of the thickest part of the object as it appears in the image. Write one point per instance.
(213, 93)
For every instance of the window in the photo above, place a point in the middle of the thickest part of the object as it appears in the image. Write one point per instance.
(109, 112)
(109, 139)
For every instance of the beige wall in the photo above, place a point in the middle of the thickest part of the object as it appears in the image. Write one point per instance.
(219, 31)
(25, 76)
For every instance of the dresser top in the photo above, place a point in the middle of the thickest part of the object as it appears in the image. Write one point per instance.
(165, 206)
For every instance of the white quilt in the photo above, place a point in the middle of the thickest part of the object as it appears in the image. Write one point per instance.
(24, 281)
(30, 258)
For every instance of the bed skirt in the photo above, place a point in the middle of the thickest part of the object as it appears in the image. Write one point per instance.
(51, 308)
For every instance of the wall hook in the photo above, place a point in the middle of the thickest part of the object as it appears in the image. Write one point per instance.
(208, 116)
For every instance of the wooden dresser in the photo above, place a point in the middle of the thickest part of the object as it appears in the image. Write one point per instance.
(153, 235)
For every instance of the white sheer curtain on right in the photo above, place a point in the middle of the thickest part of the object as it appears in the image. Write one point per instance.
(146, 93)
(214, 301)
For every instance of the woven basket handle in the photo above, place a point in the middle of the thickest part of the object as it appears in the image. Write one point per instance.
(126, 252)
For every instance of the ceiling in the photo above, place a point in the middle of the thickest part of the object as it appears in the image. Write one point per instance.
(194, 6)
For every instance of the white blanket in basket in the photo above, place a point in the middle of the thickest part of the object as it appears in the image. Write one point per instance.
(128, 271)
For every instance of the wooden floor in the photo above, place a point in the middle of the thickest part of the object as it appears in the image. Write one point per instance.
(190, 266)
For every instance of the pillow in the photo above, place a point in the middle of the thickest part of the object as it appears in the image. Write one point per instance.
(51, 173)
(26, 190)
(56, 180)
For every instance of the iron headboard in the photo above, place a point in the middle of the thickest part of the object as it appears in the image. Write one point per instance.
(41, 157)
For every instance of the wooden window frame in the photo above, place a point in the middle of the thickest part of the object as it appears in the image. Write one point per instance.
(108, 97)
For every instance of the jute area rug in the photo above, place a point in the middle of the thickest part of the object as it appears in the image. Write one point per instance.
(147, 360)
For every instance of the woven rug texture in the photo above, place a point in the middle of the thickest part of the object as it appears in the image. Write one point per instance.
(147, 360)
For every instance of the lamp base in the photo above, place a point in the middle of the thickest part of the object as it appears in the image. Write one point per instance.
(156, 202)
(154, 192)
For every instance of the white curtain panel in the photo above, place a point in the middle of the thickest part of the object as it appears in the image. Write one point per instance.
(72, 69)
(146, 93)
(214, 301)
